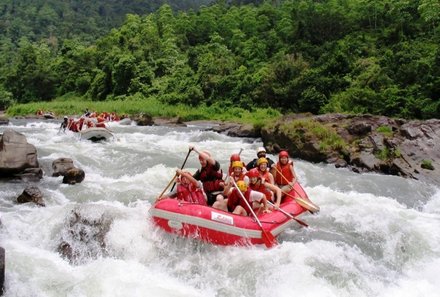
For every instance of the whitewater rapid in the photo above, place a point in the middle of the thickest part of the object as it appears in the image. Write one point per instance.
(376, 235)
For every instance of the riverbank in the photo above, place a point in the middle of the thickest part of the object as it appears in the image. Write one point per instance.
(361, 143)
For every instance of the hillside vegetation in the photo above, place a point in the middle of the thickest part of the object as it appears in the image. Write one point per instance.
(380, 57)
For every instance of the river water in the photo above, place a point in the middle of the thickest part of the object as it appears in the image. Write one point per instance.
(376, 235)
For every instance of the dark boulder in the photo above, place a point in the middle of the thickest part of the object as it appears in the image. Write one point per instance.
(31, 194)
(64, 167)
(236, 130)
(74, 176)
(143, 119)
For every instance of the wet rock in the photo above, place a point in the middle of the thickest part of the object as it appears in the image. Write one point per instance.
(74, 176)
(236, 130)
(64, 167)
(143, 120)
(30, 174)
(31, 194)
(173, 122)
(16, 154)
(83, 237)
(61, 166)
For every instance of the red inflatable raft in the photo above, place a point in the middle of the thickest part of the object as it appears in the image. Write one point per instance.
(224, 228)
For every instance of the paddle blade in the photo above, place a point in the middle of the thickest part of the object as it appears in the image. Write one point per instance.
(268, 239)
(310, 206)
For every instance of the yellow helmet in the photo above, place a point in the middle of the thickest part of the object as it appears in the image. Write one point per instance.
(237, 164)
(242, 185)
(261, 161)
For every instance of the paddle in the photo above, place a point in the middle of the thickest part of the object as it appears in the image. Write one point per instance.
(183, 165)
(310, 206)
(169, 184)
(268, 239)
(288, 215)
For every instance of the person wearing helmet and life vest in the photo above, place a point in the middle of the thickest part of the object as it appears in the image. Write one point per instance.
(236, 175)
(255, 199)
(76, 126)
(271, 191)
(64, 124)
(188, 189)
(210, 175)
(235, 158)
(285, 176)
(261, 153)
(262, 166)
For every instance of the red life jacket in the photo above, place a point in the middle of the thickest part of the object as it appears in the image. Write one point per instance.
(74, 126)
(80, 124)
(211, 178)
(286, 175)
(190, 194)
(240, 177)
(259, 186)
(235, 199)
(264, 175)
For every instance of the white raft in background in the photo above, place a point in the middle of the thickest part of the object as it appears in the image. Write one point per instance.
(96, 134)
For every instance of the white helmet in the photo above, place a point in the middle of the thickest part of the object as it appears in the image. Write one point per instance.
(261, 149)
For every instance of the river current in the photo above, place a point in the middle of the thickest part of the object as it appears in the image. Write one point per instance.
(375, 235)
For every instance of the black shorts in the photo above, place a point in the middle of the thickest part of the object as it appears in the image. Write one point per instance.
(212, 197)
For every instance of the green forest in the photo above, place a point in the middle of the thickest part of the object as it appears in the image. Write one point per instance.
(350, 56)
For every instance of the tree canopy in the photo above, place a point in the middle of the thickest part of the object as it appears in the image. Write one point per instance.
(379, 57)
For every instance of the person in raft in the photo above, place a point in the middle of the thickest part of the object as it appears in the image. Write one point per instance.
(257, 183)
(210, 175)
(255, 199)
(284, 175)
(64, 124)
(236, 175)
(261, 153)
(264, 171)
(188, 189)
(235, 158)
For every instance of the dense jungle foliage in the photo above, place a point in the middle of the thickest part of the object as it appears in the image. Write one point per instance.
(83, 19)
(357, 56)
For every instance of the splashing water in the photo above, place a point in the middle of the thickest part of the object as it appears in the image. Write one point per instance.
(375, 235)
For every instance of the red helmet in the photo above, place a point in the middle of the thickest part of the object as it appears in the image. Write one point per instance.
(283, 154)
(253, 173)
(235, 157)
